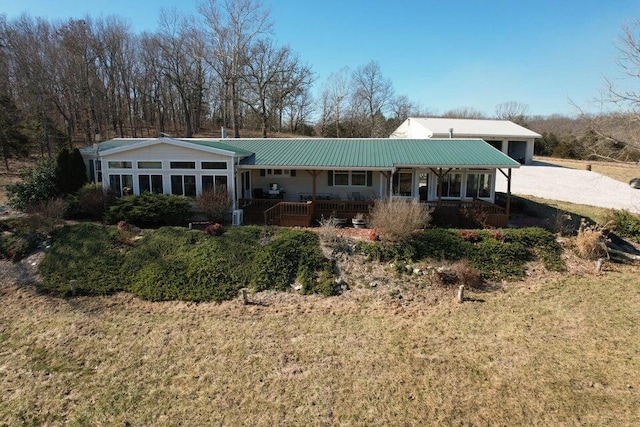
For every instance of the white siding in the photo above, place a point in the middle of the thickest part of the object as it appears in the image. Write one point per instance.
(166, 153)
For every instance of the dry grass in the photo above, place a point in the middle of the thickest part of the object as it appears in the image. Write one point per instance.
(623, 172)
(599, 215)
(562, 352)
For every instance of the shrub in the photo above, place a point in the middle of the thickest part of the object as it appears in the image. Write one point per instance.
(325, 285)
(70, 171)
(590, 242)
(440, 244)
(396, 220)
(175, 263)
(497, 260)
(15, 247)
(386, 251)
(92, 201)
(37, 185)
(46, 214)
(291, 254)
(150, 210)
(541, 243)
(87, 253)
(215, 204)
(469, 235)
(467, 275)
(214, 229)
(624, 224)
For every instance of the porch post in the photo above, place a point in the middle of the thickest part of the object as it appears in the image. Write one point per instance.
(508, 207)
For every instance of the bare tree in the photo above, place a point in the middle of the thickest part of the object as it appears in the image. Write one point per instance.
(465, 113)
(616, 130)
(233, 26)
(373, 92)
(336, 91)
(514, 111)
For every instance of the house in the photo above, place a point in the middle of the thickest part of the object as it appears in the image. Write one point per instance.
(294, 181)
(512, 139)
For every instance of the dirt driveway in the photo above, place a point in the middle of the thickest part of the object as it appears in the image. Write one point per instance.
(571, 185)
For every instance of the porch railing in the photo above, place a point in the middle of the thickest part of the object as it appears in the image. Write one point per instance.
(289, 214)
(304, 214)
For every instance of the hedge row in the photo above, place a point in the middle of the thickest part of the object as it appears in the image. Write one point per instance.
(498, 254)
(178, 264)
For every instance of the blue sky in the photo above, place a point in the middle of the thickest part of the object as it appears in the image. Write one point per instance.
(442, 54)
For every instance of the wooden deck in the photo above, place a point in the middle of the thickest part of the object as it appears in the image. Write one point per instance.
(306, 214)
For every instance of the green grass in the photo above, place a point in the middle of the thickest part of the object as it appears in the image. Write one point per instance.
(562, 352)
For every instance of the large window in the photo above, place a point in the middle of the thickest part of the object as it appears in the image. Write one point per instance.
(341, 178)
(403, 184)
(183, 185)
(479, 185)
(150, 184)
(217, 182)
(182, 165)
(122, 185)
(451, 185)
(120, 165)
(214, 165)
(150, 165)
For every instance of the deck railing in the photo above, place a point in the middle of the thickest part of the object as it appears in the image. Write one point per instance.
(289, 214)
(304, 214)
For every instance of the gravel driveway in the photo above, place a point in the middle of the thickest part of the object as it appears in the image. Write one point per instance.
(571, 185)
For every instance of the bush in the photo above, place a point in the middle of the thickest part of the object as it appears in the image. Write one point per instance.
(86, 253)
(46, 214)
(215, 204)
(214, 229)
(174, 263)
(291, 254)
(37, 185)
(590, 242)
(625, 224)
(467, 275)
(396, 220)
(439, 244)
(92, 201)
(15, 247)
(150, 210)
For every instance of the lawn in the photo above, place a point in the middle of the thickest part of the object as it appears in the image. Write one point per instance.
(557, 352)
(623, 172)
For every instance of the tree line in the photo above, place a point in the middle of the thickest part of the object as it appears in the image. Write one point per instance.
(80, 81)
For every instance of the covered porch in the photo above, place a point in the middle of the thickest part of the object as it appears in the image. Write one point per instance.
(314, 206)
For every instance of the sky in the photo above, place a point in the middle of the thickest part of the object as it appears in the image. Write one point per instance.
(442, 54)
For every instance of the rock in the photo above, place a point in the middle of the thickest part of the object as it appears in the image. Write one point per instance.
(417, 272)
(373, 285)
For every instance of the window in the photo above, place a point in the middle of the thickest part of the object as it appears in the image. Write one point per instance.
(183, 185)
(217, 182)
(214, 165)
(341, 178)
(403, 184)
(149, 165)
(99, 170)
(122, 185)
(278, 172)
(348, 178)
(120, 165)
(479, 185)
(359, 178)
(451, 185)
(182, 165)
(150, 184)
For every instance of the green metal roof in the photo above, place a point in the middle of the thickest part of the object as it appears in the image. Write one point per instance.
(382, 153)
(372, 153)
